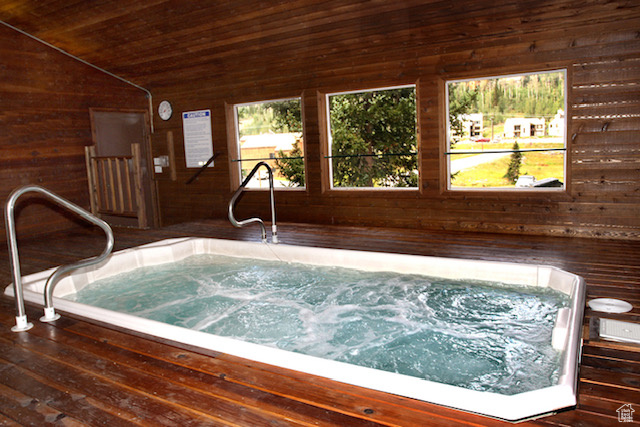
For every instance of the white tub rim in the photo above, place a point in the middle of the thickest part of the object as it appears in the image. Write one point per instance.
(507, 407)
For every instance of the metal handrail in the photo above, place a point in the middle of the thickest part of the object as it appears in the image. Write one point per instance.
(49, 313)
(236, 223)
(202, 168)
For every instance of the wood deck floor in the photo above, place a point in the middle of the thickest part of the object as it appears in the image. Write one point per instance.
(74, 372)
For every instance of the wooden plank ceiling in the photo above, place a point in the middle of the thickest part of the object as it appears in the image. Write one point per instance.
(137, 40)
(148, 41)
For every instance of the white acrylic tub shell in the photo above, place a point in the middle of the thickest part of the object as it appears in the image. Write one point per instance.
(566, 334)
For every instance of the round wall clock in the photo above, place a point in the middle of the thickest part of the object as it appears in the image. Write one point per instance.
(165, 110)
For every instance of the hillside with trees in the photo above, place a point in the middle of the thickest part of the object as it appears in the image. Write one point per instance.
(537, 95)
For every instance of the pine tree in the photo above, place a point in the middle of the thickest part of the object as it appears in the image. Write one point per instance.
(513, 171)
(292, 166)
(461, 101)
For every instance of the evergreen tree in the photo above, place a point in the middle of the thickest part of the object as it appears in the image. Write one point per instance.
(539, 95)
(287, 116)
(513, 171)
(461, 101)
(374, 138)
(292, 165)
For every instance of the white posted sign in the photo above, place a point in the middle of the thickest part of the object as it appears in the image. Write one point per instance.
(198, 145)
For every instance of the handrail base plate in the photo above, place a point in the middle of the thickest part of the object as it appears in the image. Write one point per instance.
(22, 324)
(50, 315)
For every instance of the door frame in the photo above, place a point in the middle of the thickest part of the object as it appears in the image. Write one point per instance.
(151, 183)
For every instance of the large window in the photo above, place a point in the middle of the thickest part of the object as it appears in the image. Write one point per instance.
(372, 138)
(507, 132)
(271, 131)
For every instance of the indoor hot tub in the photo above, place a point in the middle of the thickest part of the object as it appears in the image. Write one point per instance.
(498, 339)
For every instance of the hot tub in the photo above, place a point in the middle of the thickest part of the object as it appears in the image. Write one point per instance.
(565, 338)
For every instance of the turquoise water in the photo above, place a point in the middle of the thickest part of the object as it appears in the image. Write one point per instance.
(481, 336)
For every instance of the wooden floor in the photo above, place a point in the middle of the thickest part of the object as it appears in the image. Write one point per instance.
(74, 372)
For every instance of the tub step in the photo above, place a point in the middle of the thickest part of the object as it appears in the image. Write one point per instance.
(617, 330)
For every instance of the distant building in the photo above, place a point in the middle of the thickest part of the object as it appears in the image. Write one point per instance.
(520, 127)
(472, 124)
(556, 125)
(265, 146)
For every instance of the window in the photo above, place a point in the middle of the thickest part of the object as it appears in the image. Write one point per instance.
(372, 138)
(271, 131)
(507, 132)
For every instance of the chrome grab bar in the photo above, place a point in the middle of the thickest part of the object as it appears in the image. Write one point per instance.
(49, 313)
(236, 223)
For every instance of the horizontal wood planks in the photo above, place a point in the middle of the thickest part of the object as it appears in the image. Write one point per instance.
(73, 371)
(46, 97)
(423, 44)
(211, 56)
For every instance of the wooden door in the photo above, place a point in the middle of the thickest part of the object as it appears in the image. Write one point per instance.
(115, 135)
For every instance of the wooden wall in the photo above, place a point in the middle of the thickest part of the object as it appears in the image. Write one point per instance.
(597, 41)
(45, 98)
(213, 55)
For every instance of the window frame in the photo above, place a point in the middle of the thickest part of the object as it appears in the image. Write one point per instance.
(446, 151)
(327, 139)
(233, 144)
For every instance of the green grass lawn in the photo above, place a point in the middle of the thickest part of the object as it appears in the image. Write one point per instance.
(539, 164)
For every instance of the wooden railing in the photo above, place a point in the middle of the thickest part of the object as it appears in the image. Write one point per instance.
(115, 184)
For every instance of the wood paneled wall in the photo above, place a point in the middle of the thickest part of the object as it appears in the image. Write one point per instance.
(597, 41)
(213, 55)
(45, 98)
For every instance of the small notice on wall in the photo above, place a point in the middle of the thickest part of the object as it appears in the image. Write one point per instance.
(198, 145)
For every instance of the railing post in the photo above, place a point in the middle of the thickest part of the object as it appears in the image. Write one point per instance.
(21, 318)
(49, 313)
(236, 223)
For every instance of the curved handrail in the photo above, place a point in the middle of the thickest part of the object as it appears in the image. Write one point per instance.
(49, 313)
(236, 223)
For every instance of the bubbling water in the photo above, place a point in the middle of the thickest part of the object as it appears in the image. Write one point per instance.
(478, 335)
